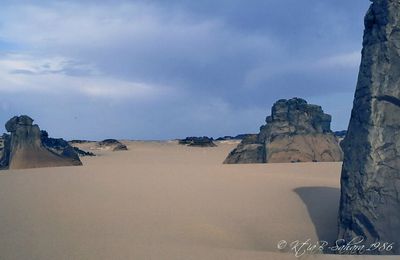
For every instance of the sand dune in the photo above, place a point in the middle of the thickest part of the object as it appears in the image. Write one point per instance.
(160, 200)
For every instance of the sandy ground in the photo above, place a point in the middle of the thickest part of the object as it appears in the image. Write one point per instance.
(160, 200)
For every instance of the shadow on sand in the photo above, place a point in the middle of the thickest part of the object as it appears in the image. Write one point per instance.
(322, 205)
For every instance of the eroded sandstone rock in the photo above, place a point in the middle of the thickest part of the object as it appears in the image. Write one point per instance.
(295, 132)
(24, 148)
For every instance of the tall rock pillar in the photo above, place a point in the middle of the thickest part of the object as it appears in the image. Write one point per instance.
(370, 182)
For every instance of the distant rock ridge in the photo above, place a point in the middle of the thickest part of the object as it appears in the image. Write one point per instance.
(295, 132)
(79, 141)
(198, 141)
(370, 181)
(228, 137)
(25, 147)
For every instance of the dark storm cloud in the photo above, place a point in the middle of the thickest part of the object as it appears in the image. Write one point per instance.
(215, 66)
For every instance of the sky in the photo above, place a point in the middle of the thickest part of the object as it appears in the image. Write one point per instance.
(160, 69)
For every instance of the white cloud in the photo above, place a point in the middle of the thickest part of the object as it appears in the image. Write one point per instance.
(143, 37)
(75, 25)
(52, 75)
(342, 60)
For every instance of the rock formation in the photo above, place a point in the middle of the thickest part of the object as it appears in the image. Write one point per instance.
(370, 182)
(295, 132)
(62, 147)
(24, 147)
(111, 144)
(198, 141)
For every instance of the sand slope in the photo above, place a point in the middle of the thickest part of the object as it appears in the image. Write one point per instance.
(166, 201)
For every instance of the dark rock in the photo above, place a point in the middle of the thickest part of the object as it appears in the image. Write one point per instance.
(295, 132)
(79, 141)
(69, 152)
(340, 134)
(83, 153)
(1, 145)
(225, 138)
(28, 147)
(109, 142)
(370, 182)
(198, 141)
(228, 137)
(120, 147)
(112, 144)
(56, 144)
(242, 136)
(5, 151)
(62, 147)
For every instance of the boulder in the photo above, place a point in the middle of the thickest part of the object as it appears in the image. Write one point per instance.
(370, 181)
(24, 147)
(111, 144)
(295, 132)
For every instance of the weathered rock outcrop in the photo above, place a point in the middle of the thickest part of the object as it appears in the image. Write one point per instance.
(24, 147)
(112, 144)
(295, 132)
(198, 141)
(370, 182)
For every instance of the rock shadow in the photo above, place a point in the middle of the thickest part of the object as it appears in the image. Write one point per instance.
(322, 204)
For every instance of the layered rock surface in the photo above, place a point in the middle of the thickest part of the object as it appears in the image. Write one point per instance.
(370, 182)
(295, 132)
(24, 148)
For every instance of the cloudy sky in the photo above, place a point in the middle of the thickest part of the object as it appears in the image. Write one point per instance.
(161, 69)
